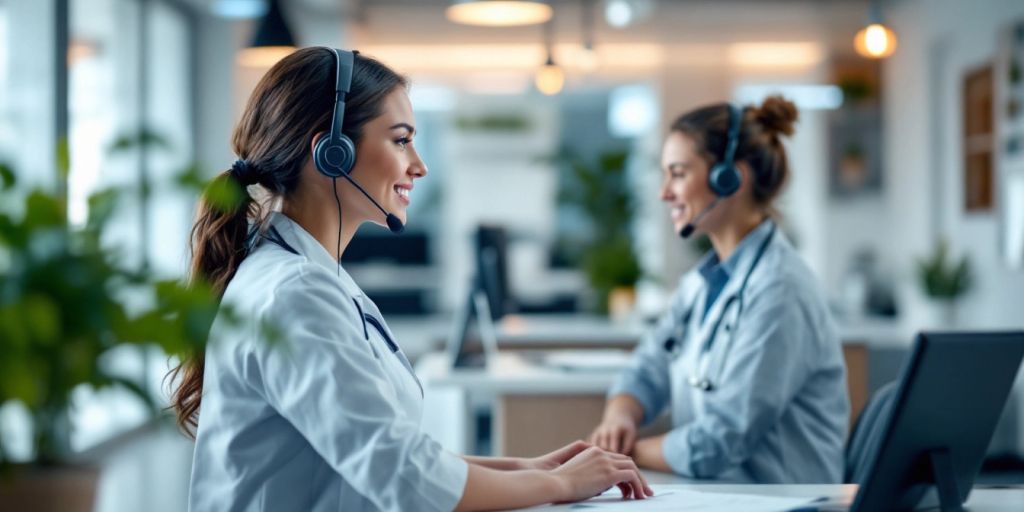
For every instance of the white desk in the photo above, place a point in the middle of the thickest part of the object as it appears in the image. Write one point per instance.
(537, 408)
(840, 496)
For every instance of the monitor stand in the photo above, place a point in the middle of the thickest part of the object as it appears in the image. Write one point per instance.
(945, 480)
(942, 492)
(479, 307)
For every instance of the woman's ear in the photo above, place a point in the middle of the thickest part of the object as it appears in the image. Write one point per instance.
(316, 138)
(746, 175)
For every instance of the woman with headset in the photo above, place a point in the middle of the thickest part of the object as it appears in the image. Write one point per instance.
(746, 359)
(328, 417)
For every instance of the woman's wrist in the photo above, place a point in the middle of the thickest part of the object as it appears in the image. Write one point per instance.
(624, 407)
(557, 487)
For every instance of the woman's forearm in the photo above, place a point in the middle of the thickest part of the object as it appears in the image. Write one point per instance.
(626, 405)
(499, 463)
(492, 489)
(649, 453)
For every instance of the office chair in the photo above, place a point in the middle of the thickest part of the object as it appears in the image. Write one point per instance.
(866, 433)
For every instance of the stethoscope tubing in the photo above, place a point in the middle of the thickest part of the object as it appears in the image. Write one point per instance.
(699, 380)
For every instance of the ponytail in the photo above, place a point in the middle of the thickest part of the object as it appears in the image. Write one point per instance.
(218, 246)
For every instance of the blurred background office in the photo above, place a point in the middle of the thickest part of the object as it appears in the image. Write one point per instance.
(906, 199)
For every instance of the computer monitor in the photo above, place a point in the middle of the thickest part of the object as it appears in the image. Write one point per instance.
(950, 396)
(491, 244)
(487, 301)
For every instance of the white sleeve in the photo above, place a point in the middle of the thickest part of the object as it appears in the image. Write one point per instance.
(324, 379)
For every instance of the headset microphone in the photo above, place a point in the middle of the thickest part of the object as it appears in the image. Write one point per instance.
(335, 154)
(690, 226)
(394, 223)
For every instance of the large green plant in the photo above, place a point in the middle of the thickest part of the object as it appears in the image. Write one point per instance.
(942, 278)
(64, 303)
(600, 191)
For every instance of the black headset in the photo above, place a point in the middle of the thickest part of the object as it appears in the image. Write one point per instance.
(724, 178)
(335, 154)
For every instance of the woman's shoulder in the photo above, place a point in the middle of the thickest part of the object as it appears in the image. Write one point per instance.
(786, 274)
(278, 275)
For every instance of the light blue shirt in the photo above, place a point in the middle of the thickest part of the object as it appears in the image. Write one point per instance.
(328, 418)
(777, 410)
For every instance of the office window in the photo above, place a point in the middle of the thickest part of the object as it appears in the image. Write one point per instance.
(127, 75)
(27, 90)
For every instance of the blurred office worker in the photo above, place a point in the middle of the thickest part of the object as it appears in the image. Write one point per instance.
(747, 356)
(328, 416)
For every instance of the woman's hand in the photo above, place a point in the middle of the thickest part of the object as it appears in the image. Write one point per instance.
(593, 470)
(616, 433)
(556, 458)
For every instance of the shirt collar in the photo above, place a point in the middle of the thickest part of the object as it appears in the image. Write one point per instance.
(710, 267)
(308, 246)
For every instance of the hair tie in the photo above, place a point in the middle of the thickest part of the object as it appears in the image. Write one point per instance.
(244, 172)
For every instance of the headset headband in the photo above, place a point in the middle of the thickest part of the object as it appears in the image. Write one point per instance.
(342, 85)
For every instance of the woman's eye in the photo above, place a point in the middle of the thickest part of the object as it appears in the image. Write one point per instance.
(402, 142)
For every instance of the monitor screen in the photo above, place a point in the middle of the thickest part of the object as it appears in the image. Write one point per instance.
(491, 273)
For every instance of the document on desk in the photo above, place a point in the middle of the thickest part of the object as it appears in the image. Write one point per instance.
(679, 500)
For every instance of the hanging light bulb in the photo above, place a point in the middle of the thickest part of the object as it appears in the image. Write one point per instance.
(272, 42)
(498, 13)
(550, 77)
(875, 41)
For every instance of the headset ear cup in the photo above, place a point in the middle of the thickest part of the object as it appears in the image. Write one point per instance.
(724, 179)
(333, 160)
(320, 158)
(346, 154)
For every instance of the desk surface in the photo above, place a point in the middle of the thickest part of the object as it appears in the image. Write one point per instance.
(510, 373)
(982, 499)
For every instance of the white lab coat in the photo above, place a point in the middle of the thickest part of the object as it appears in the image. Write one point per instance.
(326, 419)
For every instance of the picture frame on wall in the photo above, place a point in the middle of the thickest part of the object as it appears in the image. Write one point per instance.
(854, 131)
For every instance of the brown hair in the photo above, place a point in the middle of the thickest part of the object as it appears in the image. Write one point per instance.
(291, 104)
(760, 144)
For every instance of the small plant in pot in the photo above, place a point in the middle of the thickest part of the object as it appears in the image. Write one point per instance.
(65, 300)
(944, 281)
(600, 191)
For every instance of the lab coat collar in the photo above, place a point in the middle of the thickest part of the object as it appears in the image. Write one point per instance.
(308, 246)
(743, 256)
(741, 260)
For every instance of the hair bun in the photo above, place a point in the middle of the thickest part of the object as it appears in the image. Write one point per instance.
(777, 115)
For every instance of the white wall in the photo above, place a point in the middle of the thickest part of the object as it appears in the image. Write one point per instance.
(943, 39)
(940, 41)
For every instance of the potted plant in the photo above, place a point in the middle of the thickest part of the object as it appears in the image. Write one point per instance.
(599, 190)
(943, 282)
(62, 306)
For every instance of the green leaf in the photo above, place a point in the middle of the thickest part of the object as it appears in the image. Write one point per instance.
(224, 195)
(42, 318)
(43, 210)
(63, 158)
(139, 138)
(7, 178)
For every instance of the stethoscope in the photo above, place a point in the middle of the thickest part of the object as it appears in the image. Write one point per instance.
(699, 379)
(274, 236)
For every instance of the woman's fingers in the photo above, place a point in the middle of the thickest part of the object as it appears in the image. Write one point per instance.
(570, 450)
(632, 479)
(628, 438)
(640, 487)
(613, 445)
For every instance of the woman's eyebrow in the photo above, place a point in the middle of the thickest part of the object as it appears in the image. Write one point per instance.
(407, 126)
